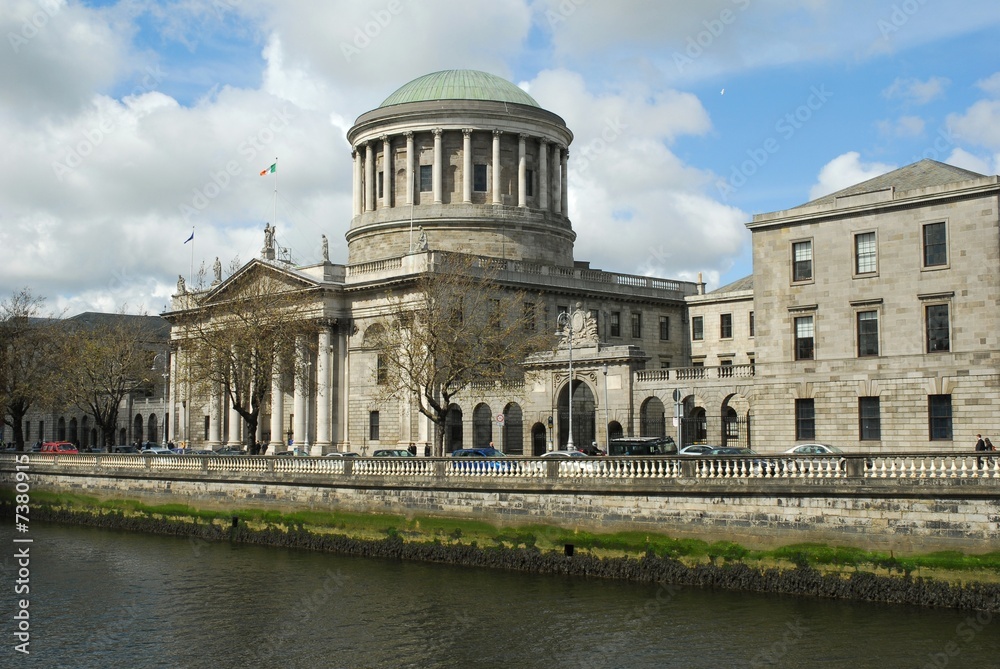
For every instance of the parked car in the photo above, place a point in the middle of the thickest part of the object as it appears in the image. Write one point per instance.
(294, 452)
(125, 448)
(814, 449)
(642, 446)
(772, 466)
(198, 451)
(60, 447)
(339, 454)
(156, 450)
(565, 454)
(696, 449)
(392, 453)
(479, 460)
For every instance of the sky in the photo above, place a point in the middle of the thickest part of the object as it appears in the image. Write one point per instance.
(129, 125)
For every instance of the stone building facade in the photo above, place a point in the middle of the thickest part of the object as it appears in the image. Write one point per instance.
(870, 321)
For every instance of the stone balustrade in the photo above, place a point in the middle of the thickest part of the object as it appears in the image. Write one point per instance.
(859, 467)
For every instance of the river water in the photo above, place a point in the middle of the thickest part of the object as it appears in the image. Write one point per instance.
(111, 599)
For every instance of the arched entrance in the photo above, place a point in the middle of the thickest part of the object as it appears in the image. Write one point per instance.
(137, 428)
(513, 430)
(74, 435)
(652, 418)
(537, 439)
(482, 426)
(583, 414)
(615, 430)
(453, 429)
(151, 428)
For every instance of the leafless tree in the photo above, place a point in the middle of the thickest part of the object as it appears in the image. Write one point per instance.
(455, 325)
(232, 341)
(29, 359)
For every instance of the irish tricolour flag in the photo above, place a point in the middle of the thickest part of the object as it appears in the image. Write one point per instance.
(272, 168)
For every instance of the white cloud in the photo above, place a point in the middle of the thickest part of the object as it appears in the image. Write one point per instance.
(843, 171)
(915, 91)
(904, 126)
(979, 124)
(962, 158)
(991, 84)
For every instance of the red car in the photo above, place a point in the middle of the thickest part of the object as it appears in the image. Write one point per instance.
(61, 447)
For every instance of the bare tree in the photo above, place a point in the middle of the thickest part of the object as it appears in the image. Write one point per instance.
(232, 342)
(456, 325)
(107, 358)
(29, 360)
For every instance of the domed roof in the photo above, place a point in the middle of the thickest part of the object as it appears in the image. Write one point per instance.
(459, 85)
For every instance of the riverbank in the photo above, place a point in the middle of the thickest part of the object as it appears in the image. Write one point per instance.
(951, 580)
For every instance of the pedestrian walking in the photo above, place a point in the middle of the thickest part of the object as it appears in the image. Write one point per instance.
(980, 447)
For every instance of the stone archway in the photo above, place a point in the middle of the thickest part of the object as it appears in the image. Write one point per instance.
(513, 430)
(538, 439)
(652, 418)
(583, 415)
(453, 429)
(482, 426)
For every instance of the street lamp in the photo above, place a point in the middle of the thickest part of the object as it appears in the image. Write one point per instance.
(162, 357)
(607, 421)
(566, 321)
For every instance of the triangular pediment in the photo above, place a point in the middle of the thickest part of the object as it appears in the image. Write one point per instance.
(281, 278)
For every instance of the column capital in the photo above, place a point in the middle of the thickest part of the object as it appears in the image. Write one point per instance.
(523, 135)
(384, 137)
(437, 132)
(354, 153)
(542, 141)
(497, 132)
(466, 131)
(408, 134)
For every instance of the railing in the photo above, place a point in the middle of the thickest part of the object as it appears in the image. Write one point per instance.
(697, 373)
(762, 467)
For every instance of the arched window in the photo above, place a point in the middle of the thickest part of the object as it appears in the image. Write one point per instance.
(652, 418)
(453, 429)
(513, 430)
(538, 435)
(151, 428)
(482, 426)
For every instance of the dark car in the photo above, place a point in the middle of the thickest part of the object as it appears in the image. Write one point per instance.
(480, 460)
(392, 453)
(125, 448)
(732, 464)
(642, 446)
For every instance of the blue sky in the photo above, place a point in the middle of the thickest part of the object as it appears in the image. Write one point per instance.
(128, 123)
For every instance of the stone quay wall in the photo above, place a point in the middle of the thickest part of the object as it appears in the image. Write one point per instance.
(907, 515)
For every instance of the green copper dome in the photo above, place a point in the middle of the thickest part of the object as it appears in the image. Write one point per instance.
(459, 85)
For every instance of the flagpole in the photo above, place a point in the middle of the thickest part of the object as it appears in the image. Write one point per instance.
(275, 172)
(191, 271)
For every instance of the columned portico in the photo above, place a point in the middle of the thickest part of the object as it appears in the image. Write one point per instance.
(277, 443)
(300, 427)
(324, 377)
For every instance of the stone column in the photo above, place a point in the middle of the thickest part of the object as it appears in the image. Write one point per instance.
(357, 182)
(543, 174)
(467, 165)
(522, 172)
(369, 177)
(343, 387)
(234, 425)
(214, 419)
(171, 427)
(277, 443)
(301, 401)
(557, 179)
(409, 168)
(387, 180)
(496, 167)
(324, 395)
(438, 166)
(564, 181)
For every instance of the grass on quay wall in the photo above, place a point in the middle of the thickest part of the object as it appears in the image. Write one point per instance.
(948, 565)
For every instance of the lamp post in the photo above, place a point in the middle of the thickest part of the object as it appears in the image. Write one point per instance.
(566, 321)
(162, 356)
(607, 420)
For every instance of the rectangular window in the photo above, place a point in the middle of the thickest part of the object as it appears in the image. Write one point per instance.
(380, 369)
(805, 419)
(373, 431)
(616, 324)
(426, 178)
(380, 181)
(869, 418)
(802, 261)
(637, 325)
(207, 423)
(938, 338)
(529, 316)
(697, 328)
(935, 245)
(939, 416)
(865, 258)
(867, 333)
(726, 326)
(529, 183)
(664, 328)
(479, 178)
(804, 338)
(751, 324)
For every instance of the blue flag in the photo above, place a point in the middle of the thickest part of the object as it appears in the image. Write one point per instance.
(189, 238)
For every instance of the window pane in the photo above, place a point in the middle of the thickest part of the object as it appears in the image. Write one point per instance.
(937, 328)
(864, 246)
(726, 326)
(939, 410)
(529, 183)
(479, 178)
(802, 257)
(935, 245)
(804, 338)
(697, 328)
(616, 324)
(869, 418)
(867, 333)
(805, 419)
(426, 176)
(373, 426)
(664, 328)
(751, 324)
